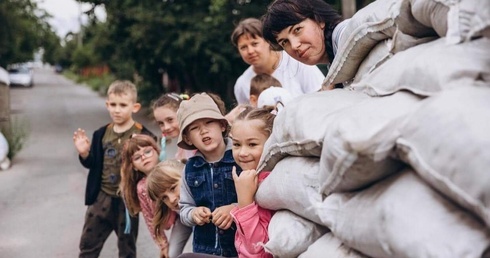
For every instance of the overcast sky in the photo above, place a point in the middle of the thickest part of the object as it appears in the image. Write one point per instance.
(66, 14)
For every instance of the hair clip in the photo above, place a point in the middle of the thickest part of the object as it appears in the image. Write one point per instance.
(174, 96)
(184, 96)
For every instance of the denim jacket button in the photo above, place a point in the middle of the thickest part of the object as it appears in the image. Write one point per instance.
(215, 185)
(221, 232)
(196, 183)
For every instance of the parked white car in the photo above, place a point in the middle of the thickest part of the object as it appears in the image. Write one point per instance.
(21, 76)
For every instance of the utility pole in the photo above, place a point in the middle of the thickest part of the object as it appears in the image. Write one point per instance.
(4, 102)
(80, 32)
(348, 8)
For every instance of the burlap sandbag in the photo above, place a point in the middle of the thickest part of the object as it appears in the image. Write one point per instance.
(429, 68)
(360, 142)
(330, 246)
(300, 127)
(402, 216)
(447, 141)
(290, 235)
(292, 185)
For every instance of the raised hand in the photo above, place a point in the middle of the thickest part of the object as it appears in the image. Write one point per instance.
(82, 143)
(246, 186)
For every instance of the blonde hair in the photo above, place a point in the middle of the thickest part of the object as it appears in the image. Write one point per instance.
(163, 177)
(261, 82)
(120, 87)
(129, 176)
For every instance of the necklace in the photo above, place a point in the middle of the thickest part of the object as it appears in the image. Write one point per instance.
(276, 63)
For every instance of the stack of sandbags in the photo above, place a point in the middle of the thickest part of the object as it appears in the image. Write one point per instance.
(391, 167)
(386, 27)
(402, 216)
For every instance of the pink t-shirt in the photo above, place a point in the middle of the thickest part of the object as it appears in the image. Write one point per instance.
(252, 222)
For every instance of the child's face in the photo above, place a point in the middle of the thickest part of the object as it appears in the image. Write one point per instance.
(254, 51)
(205, 134)
(121, 108)
(248, 142)
(171, 197)
(304, 42)
(166, 119)
(145, 159)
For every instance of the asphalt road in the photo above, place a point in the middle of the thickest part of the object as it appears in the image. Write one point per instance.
(42, 194)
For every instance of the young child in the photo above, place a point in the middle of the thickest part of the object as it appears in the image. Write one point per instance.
(207, 193)
(106, 211)
(274, 98)
(165, 114)
(249, 132)
(259, 83)
(139, 158)
(164, 190)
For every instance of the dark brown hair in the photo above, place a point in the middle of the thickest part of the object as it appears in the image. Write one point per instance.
(284, 13)
(261, 82)
(249, 26)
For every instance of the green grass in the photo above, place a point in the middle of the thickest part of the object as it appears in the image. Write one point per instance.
(17, 136)
(96, 83)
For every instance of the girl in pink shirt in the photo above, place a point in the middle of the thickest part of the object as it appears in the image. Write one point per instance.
(139, 158)
(164, 190)
(249, 132)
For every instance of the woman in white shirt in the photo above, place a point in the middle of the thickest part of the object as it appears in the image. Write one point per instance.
(294, 76)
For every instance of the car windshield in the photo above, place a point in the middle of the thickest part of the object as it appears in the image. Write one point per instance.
(19, 70)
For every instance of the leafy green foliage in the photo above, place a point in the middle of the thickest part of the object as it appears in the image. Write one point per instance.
(188, 41)
(24, 30)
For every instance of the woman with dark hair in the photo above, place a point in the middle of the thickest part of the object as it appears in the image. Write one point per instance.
(294, 76)
(308, 30)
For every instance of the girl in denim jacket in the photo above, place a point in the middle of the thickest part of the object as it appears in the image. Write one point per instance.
(207, 192)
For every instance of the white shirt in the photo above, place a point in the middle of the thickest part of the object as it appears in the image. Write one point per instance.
(296, 77)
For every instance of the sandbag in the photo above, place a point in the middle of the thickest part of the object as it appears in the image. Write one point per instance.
(4, 147)
(290, 235)
(447, 141)
(330, 246)
(402, 216)
(300, 127)
(429, 68)
(292, 185)
(378, 21)
(4, 150)
(360, 142)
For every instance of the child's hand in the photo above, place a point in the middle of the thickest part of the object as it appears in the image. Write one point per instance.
(222, 217)
(201, 215)
(246, 185)
(82, 143)
(164, 252)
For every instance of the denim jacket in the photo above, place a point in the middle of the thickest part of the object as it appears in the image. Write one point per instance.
(210, 185)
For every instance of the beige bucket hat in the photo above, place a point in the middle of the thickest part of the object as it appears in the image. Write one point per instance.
(198, 107)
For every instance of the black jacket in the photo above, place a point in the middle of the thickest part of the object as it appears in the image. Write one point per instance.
(95, 161)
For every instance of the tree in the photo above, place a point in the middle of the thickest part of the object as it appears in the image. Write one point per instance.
(24, 31)
(188, 41)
